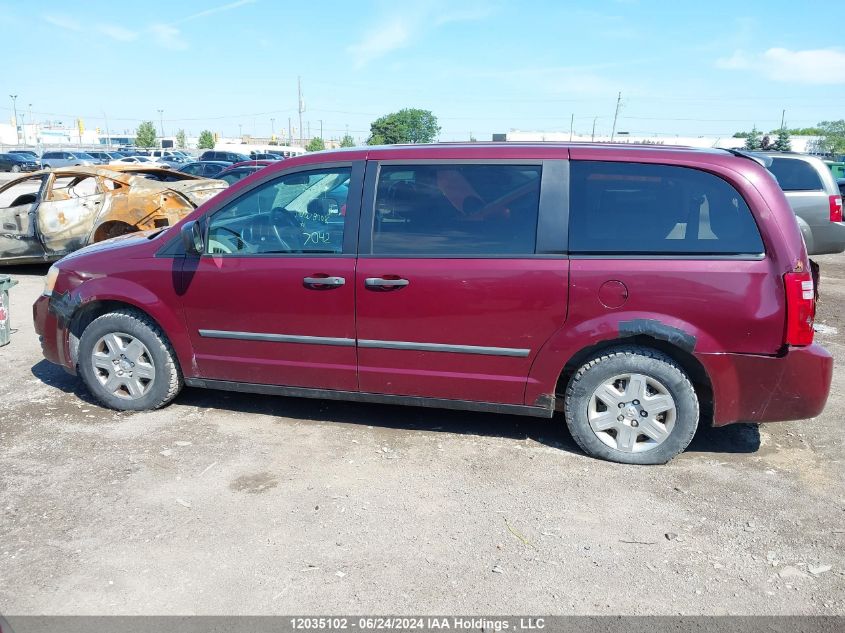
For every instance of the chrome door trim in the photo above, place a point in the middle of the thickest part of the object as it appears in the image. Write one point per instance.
(278, 338)
(367, 343)
(442, 347)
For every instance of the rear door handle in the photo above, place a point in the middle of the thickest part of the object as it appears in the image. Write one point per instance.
(380, 282)
(317, 283)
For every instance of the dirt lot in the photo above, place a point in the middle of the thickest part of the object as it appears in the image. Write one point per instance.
(234, 504)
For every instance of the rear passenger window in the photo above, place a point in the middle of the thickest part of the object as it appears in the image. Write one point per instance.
(457, 209)
(634, 208)
(795, 175)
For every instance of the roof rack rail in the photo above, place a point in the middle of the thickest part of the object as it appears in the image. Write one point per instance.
(763, 159)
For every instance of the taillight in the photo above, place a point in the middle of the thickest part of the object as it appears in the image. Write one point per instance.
(836, 208)
(800, 308)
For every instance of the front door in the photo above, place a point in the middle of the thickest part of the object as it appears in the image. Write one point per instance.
(18, 206)
(272, 299)
(454, 300)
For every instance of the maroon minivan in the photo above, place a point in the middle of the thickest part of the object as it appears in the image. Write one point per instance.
(640, 290)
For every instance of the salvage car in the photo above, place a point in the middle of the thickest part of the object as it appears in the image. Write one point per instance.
(641, 292)
(49, 214)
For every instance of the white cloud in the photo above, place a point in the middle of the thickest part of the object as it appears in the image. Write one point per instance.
(168, 36)
(401, 29)
(117, 32)
(380, 41)
(63, 22)
(213, 10)
(814, 66)
(113, 31)
(472, 14)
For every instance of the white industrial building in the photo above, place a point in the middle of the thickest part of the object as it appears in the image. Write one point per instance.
(799, 143)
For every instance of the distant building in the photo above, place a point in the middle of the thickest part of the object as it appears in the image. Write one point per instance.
(799, 143)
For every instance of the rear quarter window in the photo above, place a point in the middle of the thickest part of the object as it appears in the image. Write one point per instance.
(644, 209)
(795, 175)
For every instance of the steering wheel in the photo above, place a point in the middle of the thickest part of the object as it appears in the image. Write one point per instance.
(219, 244)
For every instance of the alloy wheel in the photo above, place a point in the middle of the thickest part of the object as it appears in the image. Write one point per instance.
(123, 365)
(632, 413)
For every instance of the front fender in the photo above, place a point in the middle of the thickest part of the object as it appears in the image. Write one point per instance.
(167, 316)
(570, 339)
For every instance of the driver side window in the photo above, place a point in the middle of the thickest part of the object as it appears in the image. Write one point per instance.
(298, 213)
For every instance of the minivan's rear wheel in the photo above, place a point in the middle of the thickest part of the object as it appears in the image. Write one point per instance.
(127, 363)
(633, 405)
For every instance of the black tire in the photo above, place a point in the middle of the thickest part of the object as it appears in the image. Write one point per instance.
(16, 169)
(633, 360)
(168, 375)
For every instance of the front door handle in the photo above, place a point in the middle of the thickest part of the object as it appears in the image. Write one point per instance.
(381, 282)
(319, 283)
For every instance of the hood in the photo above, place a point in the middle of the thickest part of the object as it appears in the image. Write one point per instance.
(120, 242)
(198, 191)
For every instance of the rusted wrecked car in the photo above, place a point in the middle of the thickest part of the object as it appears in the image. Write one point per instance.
(48, 214)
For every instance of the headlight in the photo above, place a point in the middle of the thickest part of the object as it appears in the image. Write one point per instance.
(50, 281)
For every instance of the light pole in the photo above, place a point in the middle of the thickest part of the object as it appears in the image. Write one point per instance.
(272, 128)
(240, 131)
(108, 133)
(161, 121)
(15, 110)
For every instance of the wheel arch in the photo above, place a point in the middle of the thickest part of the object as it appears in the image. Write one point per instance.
(110, 229)
(686, 360)
(170, 323)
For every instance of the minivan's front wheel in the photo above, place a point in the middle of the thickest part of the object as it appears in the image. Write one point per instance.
(632, 405)
(127, 363)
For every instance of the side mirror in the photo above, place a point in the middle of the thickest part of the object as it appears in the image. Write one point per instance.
(192, 237)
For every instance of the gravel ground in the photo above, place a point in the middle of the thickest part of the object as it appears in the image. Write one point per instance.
(240, 504)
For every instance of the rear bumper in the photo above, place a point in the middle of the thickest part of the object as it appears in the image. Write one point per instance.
(828, 238)
(749, 388)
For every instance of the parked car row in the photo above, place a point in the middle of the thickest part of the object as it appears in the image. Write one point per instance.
(641, 291)
(22, 160)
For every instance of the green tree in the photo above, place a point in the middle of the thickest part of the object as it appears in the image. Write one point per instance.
(782, 142)
(410, 125)
(804, 131)
(206, 140)
(833, 133)
(347, 141)
(181, 140)
(315, 145)
(145, 135)
(753, 140)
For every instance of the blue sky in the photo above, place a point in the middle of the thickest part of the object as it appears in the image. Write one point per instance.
(684, 68)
